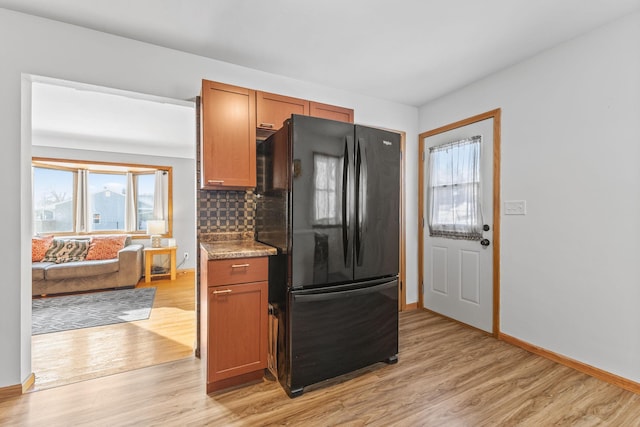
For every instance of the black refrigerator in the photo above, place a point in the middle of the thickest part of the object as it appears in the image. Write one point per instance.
(328, 200)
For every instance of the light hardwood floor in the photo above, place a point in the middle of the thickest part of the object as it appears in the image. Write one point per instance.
(447, 375)
(167, 335)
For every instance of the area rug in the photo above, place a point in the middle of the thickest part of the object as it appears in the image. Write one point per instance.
(55, 314)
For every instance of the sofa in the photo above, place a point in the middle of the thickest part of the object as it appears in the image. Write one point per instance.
(125, 270)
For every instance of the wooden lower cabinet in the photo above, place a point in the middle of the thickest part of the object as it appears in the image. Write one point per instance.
(234, 321)
(237, 334)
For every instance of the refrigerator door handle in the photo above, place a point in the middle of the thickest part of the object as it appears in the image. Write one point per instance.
(364, 185)
(359, 202)
(345, 203)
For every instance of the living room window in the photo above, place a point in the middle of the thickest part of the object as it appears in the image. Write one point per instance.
(92, 198)
(107, 195)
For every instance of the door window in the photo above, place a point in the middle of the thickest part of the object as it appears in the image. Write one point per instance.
(454, 209)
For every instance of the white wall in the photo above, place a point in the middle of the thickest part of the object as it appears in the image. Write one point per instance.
(571, 149)
(31, 45)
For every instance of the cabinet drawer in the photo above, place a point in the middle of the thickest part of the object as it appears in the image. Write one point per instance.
(238, 270)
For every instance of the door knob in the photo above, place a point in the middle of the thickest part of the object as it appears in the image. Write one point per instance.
(485, 242)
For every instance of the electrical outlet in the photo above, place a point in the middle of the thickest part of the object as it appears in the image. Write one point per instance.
(186, 255)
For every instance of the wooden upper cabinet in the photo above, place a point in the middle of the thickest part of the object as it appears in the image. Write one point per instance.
(332, 112)
(272, 109)
(233, 118)
(228, 125)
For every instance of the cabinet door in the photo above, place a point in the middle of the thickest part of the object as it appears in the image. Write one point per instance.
(332, 112)
(238, 322)
(228, 152)
(272, 109)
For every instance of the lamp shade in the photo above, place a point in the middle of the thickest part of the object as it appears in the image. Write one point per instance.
(156, 226)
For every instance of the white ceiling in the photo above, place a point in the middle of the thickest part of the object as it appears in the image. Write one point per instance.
(409, 51)
(80, 116)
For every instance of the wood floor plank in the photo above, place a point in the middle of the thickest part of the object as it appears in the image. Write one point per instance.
(77, 355)
(447, 375)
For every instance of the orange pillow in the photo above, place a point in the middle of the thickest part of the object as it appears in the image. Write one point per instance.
(105, 247)
(39, 246)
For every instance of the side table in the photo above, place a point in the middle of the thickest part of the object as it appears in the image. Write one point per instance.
(148, 261)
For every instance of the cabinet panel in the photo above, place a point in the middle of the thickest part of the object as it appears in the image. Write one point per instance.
(326, 111)
(228, 155)
(237, 330)
(272, 109)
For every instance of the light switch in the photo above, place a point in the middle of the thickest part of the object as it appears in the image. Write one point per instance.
(515, 207)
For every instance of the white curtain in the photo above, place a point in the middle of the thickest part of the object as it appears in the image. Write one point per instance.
(82, 202)
(160, 199)
(454, 198)
(130, 205)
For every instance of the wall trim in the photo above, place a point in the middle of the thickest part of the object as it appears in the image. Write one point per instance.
(574, 364)
(28, 383)
(17, 389)
(402, 274)
(411, 306)
(10, 391)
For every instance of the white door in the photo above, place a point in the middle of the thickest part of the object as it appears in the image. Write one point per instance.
(458, 274)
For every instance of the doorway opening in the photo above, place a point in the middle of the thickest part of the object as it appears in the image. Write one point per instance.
(78, 122)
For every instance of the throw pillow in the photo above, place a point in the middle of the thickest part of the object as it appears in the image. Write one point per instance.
(103, 247)
(39, 246)
(67, 251)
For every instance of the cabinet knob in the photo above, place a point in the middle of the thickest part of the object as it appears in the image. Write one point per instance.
(239, 265)
(215, 181)
(266, 125)
(226, 291)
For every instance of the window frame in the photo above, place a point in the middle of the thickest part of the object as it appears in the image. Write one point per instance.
(101, 217)
(105, 168)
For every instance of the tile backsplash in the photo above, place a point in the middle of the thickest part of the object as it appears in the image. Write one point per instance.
(226, 211)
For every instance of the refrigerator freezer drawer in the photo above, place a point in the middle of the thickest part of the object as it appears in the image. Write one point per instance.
(333, 333)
